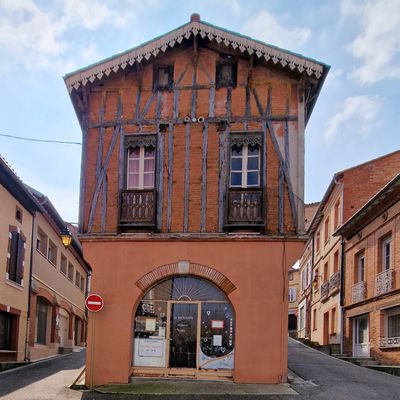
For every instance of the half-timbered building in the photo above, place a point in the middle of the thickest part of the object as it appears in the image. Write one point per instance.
(191, 203)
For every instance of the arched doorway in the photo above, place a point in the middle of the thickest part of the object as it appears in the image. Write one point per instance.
(184, 326)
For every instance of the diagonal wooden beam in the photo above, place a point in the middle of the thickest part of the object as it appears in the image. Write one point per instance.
(147, 106)
(101, 136)
(103, 171)
(257, 99)
(285, 171)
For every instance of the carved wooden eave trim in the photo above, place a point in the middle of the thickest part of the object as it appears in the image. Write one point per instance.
(144, 52)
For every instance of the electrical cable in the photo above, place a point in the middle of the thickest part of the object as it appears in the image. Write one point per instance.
(39, 140)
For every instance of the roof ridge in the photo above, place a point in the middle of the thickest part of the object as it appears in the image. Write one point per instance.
(151, 48)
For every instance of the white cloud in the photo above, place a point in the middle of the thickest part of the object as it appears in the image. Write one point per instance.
(28, 34)
(358, 115)
(41, 37)
(265, 26)
(377, 46)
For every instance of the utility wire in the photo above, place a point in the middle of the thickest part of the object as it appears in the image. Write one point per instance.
(39, 140)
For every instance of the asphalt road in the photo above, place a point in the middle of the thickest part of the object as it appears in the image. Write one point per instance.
(337, 379)
(45, 380)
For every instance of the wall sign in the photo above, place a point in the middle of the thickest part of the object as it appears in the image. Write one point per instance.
(151, 348)
(217, 324)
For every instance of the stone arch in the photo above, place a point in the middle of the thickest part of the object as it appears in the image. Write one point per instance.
(40, 292)
(185, 268)
(67, 307)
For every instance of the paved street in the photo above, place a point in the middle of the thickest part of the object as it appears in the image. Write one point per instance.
(337, 379)
(44, 380)
(318, 377)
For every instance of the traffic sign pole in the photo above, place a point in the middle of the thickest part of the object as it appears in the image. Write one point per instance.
(94, 303)
(93, 316)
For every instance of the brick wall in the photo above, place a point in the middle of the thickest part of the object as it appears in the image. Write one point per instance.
(278, 87)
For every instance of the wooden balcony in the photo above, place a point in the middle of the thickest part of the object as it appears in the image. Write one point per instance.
(245, 207)
(384, 282)
(359, 292)
(138, 208)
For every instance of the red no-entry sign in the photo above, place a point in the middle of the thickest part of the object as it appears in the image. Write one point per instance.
(94, 302)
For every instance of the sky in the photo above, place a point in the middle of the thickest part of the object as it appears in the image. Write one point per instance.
(355, 118)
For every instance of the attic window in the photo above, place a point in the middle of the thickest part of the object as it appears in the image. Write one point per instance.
(18, 214)
(226, 73)
(163, 78)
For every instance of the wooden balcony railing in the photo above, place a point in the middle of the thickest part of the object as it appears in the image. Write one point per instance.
(358, 292)
(138, 208)
(334, 282)
(245, 206)
(384, 282)
(325, 290)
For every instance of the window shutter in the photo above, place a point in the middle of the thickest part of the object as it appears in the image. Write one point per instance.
(12, 268)
(20, 259)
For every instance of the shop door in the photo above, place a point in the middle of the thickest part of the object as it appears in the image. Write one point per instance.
(361, 337)
(183, 335)
(63, 330)
(326, 329)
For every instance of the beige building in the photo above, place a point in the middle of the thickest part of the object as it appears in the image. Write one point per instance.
(43, 284)
(17, 209)
(59, 282)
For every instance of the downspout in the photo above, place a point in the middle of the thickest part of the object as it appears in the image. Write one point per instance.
(342, 281)
(311, 283)
(28, 315)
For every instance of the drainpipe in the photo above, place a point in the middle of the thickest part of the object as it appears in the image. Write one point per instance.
(342, 317)
(311, 284)
(28, 315)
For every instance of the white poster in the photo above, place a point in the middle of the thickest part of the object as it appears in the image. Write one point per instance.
(217, 340)
(151, 347)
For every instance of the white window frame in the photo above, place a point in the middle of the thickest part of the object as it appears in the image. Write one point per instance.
(360, 257)
(141, 172)
(390, 313)
(245, 157)
(385, 242)
(292, 295)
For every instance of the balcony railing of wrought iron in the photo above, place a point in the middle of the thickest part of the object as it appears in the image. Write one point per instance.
(358, 292)
(334, 282)
(389, 342)
(384, 282)
(324, 289)
(245, 206)
(138, 207)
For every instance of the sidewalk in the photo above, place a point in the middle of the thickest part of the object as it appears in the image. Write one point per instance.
(143, 386)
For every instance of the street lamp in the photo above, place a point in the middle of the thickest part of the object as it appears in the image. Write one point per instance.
(66, 237)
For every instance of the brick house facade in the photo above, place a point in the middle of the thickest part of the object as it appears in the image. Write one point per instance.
(348, 191)
(372, 278)
(192, 182)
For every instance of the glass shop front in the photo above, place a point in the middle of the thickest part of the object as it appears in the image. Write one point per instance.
(184, 326)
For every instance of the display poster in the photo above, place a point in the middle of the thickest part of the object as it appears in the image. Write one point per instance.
(217, 324)
(150, 325)
(151, 348)
(217, 340)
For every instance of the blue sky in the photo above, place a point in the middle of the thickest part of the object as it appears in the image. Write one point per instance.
(355, 119)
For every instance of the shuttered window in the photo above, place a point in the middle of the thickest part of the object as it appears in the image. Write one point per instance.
(16, 256)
